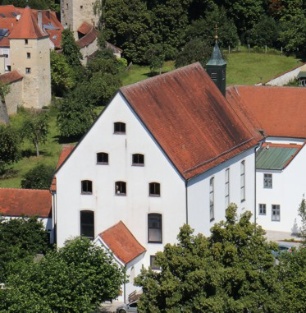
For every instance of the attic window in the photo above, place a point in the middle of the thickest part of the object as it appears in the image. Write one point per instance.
(119, 128)
(26, 41)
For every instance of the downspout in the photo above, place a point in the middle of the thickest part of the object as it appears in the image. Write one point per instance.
(186, 199)
(255, 190)
(124, 286)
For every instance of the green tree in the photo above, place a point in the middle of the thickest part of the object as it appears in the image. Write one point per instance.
(39, 177)
(302, 214)
(74, 279)
(129, 28)
(195, 50)
(9, 143)
(20, 238)
(62, 75)
(155, 57)
(70, 49)
(230, 271)
(75, 113)
(35, 127)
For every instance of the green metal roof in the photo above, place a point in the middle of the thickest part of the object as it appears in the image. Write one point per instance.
(274, 158)
(216, 57)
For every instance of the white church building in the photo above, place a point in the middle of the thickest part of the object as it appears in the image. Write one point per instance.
(172, 150)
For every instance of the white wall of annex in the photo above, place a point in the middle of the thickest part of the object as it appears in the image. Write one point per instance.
(288, 189)
(109, 208)
(198, 192)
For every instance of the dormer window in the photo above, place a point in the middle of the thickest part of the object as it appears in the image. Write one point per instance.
(119, 128)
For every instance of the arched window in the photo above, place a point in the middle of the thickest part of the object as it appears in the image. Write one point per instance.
(119, 128)
(155, 228)
(87, 225)
(102, 158)
(86, 187)
(138, 159)
(154, 189)
(120, 188)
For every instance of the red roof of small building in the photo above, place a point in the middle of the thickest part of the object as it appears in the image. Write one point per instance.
(27, 27)
(25, 202)
(277, 111)
(87, 39)
(122, 242)
(190, 119)
(66, 150)
(10, 77)
(85, 28)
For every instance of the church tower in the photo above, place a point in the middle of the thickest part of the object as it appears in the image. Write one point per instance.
(75, 12)
(216, 67)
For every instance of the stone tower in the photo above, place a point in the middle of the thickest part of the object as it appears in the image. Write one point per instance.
(75, 12)
(216, 68)
(30, 56)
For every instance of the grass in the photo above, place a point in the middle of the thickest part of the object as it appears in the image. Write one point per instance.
(243, 68)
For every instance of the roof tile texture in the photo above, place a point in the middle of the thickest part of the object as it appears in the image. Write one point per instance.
(25, 202)
(269, 108)
(190, 119)
(10, 77)
(122, 242)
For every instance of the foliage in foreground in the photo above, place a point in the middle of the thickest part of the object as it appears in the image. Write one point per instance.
(231, 271)
(74, 279)
(20, 238)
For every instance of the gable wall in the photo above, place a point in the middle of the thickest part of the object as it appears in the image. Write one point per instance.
(109, 208)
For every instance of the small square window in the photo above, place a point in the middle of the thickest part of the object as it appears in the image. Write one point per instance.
(28, 70)
(267, 180)
(119, 128)
(262, 209)
(28, 55)
(138, 159)
(120, 188)
(153, 264)
(86, 187)
(81, 7)
(154, 189)
(102, 158)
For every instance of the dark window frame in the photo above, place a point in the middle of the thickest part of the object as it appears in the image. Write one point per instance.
(102, 158)
(119, 128)
(138, 159)
(120, 188)
(262, 209)
(276, 213)
(154, 189)
(87, 224)
(155, 228)
(268, 181)
(86, 187)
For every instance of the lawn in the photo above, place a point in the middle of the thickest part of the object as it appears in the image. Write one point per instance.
(243, 68)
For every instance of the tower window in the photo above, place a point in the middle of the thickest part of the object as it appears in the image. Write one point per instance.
(28, 70)
(26, 41)
(28, 55)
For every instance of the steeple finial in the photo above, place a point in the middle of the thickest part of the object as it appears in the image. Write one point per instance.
(216, 32)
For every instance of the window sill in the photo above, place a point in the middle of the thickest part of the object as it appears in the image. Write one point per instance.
(102, 163)
(120, 194)
(86, 193)
(154, 196)
(138, 165)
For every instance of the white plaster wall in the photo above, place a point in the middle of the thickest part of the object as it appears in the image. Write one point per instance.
(288, 188)
(109, 208)
(198, 192)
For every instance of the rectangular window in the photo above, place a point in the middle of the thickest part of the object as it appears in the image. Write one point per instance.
(242, 181)
(102, 158)
(28, 55)
(153, 264)
(262, 209)
(227, 187)
(86, 187)
(26, 41)
(138, 159)
(275, 212)
(154, 189)
(155, 228)
(211, 199)
(87, 224)
(120, 188)
(119, 128)
(267, 180)
(28, 70)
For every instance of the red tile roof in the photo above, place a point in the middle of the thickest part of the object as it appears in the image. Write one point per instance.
(10, 77)
(278, 111)
(85, 28)
(122, 242)
(27, 27)
(90, 37)
(190, 119)
(66, 150)
(25, 202)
